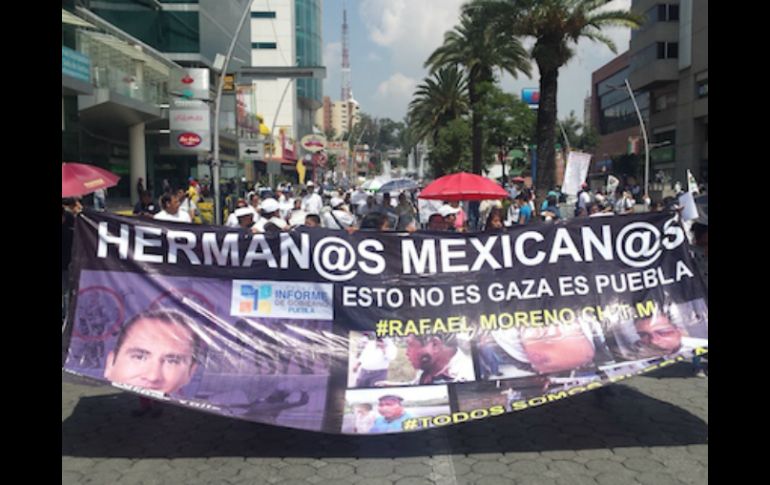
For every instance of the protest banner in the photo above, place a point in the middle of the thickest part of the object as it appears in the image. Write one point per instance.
(379, 332)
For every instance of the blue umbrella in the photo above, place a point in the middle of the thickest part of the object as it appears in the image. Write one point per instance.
(398, 184)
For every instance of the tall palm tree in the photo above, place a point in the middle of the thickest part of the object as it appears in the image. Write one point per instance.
(555, 25)
(480, 48)
(437, 101)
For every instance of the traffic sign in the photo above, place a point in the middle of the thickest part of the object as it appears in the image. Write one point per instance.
(251, 149)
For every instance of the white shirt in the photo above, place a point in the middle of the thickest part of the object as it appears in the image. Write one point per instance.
(285, 207)
(312, 203)
(585, 199)
(343, 217)
(365, 422)
(232, 221)
(180, 216)
(513, 215)
(262, 222)
(375, 358)
(297, 217)
(188, 205)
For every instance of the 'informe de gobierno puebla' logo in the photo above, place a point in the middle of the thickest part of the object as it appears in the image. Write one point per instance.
(281, 299)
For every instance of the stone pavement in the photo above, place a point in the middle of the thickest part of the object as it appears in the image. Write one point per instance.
(650, 430)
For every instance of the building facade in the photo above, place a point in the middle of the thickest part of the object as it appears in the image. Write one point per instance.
(176, 36)
(613, 115)
(287, 33)
(338, 116)
(669, 61)
(667, 67)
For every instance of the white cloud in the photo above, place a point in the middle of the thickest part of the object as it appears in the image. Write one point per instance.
(332, 59)
(393, 96)
(410, 30)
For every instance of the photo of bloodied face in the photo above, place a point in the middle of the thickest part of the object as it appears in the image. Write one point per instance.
(527, 351)
(665, 331)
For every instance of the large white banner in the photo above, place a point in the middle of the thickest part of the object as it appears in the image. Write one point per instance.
(576, 173)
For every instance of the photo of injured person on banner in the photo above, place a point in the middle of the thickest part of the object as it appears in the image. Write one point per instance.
(409, 361)
(369, 411)
(666, 330)
(566, 349)
(173, 339)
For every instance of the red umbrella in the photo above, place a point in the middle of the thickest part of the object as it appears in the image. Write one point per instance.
(80, 179)
(463, 186)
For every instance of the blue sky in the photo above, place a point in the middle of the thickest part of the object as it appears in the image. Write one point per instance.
(390, 40)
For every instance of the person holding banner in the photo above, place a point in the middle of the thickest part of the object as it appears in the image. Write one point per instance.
(171, 210)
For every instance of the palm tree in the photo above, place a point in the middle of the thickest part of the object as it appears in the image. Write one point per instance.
(555, 25)
(437, 101)
(480, 48)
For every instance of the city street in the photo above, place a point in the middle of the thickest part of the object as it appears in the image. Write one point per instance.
(650, 430)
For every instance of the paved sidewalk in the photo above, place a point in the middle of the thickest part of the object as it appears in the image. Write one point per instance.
(650, 430)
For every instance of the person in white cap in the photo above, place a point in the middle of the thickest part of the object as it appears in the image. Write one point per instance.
(338, 217)
(232, 219)
(312, 202)
(449, 214)
(270, 217)
(245, 218)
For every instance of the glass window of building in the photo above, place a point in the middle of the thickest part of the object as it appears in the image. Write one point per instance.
(263, 15)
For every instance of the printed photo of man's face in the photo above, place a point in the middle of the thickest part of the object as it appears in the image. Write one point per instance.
(658, 335)
(557, 348)
(154, 354)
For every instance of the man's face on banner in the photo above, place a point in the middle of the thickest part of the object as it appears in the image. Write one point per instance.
(659, 334)
(557, 348)
(421, 355)
(154, 355)
(390, 409)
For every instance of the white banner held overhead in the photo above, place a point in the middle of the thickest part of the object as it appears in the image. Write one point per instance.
(576, 172)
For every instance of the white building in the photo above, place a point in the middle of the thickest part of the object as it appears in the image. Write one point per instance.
(282, 38)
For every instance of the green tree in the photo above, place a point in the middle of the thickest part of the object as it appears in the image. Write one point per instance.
(330, 134)
(438, 100)
(555, 25)
(451, 150)
(508, 122)
(479, 47)
(580, 136)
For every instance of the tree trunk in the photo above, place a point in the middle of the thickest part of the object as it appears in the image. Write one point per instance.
(476, 131)
(546, 129)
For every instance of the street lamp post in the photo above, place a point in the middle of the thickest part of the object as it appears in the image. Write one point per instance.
(644, 135)
(646, 142)
(215, 163)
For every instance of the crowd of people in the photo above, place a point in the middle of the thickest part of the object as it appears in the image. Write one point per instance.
(264, 209)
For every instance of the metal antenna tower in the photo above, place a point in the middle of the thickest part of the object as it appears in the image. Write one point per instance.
(346, 89)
